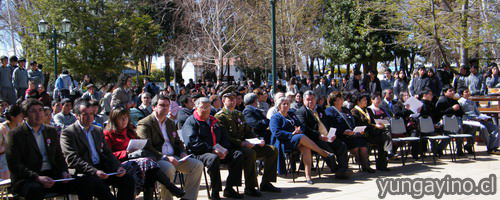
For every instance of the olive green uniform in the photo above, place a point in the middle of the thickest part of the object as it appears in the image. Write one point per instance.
(233, 123)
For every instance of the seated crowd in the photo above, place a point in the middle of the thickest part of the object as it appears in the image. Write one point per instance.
(79, 143)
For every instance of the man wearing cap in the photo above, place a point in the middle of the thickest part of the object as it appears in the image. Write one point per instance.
(233, 123)
(20, 78)
(6, 90)
(35, 74)
(65, 118)
(91, 93)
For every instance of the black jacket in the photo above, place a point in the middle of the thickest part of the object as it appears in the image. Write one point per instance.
(309, 122)
(182, 116)
(24, 158)
(200, 136)
(444, 106)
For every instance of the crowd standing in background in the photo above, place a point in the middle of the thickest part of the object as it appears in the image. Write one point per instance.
(82, 129)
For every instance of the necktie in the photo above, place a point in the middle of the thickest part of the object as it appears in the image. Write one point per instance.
(321, 127)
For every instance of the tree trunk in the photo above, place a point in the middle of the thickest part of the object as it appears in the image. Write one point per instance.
(435, 34)
(178, 66)
(348, 69)
(310, 67)
(167, 69)
(464, 51)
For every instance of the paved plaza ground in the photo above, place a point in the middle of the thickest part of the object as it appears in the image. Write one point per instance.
(363, 186)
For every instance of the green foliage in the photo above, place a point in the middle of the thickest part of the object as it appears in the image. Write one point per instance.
(105, 36)
(356, 33)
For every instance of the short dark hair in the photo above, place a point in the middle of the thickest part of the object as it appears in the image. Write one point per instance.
(461, 90)
(184, 99)
(358, 97)
(28, 103)
(13, 59)
(157, 98)
(375, 95)
(357, 72)
(388, 70)
(333, 97)
(80, 103)
(94, 102)
(12, 111)
(424, 91)
(446, 88)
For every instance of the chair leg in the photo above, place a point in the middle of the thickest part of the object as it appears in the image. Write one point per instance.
(403, 154)
(206, 182)
(453, 151)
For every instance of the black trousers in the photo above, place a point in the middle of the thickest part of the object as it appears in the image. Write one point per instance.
(125, 185)
(234, 160)
(34, 190)
(337, 147)
(268, 154)
(382, 140)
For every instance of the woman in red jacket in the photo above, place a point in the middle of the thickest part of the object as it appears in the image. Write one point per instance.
(141, 163)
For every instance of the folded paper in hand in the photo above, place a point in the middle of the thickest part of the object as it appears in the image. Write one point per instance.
(483, 117)
(112, 173)
(64, 179)
(254, 141)
(136, 144)
(414, 103)
(185, 158)
(359, 129)
(219, 148)
(331, 134)
(383, 121)
(472, 123)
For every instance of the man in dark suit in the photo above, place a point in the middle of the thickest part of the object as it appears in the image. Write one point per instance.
(203, 134)
(163, 136)
(35, 159)
(316, 130)
(255, 118)
(87, 152)
(388, 103)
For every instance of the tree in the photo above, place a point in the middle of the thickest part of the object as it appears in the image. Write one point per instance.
(357, 33)
(105, 36)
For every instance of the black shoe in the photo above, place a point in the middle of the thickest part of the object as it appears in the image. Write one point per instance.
(215, 195)
(468, 148)
(268, 187)
(230, 193)
(368, 169)
(174, 190)
(460, 153)
(252, 192)
(344, 174)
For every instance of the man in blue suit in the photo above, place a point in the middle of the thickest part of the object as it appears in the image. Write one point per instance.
(255, 118)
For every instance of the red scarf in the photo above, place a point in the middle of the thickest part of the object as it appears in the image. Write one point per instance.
(213, 121)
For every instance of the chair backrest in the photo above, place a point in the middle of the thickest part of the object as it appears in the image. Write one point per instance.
(398, 126)
(182, 136)
(426, 125)
(450, 124)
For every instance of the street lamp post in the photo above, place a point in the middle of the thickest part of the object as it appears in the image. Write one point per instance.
(273, 22)
(43, 27)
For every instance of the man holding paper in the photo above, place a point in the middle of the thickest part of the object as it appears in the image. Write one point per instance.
(316, 127)
(208, 143)
(87, 152)
(245, 140)
(35, 159)
(162, 135)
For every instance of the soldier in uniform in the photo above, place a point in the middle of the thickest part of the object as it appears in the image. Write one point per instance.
(233, 122)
